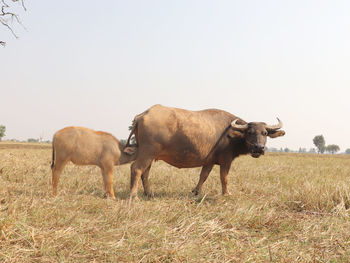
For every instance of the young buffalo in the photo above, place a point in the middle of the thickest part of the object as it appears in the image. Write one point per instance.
(83, 146)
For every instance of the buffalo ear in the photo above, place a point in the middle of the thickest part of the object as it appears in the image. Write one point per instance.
(275, 134)
(235, 134)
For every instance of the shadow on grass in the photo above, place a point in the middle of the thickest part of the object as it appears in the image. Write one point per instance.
(93, 191)
(187, 196)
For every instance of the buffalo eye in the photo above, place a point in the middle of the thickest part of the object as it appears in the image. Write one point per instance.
(264, 133)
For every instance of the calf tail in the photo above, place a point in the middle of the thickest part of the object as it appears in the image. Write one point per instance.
(53, 156)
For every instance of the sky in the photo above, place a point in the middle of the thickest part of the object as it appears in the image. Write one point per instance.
(98, 64)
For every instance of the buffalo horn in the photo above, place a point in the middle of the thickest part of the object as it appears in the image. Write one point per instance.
(237, 126)
(274, 127)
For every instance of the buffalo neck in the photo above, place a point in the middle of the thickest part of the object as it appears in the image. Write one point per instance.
(238, 147)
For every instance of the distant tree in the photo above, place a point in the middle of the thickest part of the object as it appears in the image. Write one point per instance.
(347, 151)
(312, 150)
(272, 149)
(133, 139)
(286, 150)
(32, 140)
(332, 148)
(320, 143)
(7, 15)
(123, 141)
(2, 131)
(302, 150)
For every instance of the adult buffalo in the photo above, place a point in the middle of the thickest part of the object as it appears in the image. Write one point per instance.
(188, 139)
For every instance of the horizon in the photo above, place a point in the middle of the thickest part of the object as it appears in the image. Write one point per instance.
(312, 150)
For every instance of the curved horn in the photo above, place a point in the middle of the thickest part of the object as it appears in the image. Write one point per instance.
(237, 126)
(274, 127)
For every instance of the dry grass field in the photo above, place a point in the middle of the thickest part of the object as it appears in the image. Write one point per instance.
(283, 208)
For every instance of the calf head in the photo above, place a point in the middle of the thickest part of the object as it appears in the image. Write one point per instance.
(255, 135)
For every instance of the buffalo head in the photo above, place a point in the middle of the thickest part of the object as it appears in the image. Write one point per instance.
(255, 135)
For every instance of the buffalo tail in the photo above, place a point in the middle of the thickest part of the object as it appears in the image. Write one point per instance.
(53, 156)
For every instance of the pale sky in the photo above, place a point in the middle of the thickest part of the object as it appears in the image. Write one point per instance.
(99, 63)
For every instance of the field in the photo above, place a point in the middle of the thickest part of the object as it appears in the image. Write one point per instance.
(283, 208)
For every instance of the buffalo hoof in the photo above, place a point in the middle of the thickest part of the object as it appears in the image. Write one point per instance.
(109, 196)
(133, 198)
(195, 191)
(226, 194)
(149, 194)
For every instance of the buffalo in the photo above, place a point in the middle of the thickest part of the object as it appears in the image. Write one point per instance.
(83, 146)
(187, 139)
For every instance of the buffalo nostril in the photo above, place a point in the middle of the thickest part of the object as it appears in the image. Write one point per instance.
(259, 148)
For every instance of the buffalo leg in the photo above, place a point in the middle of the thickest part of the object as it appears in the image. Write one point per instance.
(203, 176)
(56, 173)
(107, 174)
(137, 169)
(224, 169)
(145, 182)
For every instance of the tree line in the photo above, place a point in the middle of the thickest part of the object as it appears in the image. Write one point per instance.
(320, 144)
(3, 131)
(318, 141)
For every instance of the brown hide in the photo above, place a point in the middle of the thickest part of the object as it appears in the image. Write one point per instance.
(83, 146)
(179, 137)
(187, 139)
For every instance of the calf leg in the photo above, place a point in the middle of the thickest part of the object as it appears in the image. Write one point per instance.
(56, 172)
(107, 174)
(224, 169)
(203, 176)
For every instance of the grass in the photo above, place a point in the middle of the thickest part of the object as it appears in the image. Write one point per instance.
(283, 208)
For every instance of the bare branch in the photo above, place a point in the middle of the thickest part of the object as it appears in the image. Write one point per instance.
(25, 9)
(6, 15)
(22, 3)
(6, 25)
(10, 14)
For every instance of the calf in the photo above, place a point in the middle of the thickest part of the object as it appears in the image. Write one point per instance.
(83, 146)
